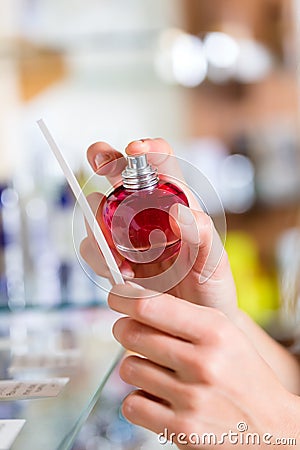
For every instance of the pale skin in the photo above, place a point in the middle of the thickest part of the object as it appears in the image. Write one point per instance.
(199, 374)
(207, 365)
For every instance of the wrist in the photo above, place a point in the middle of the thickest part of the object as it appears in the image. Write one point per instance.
(293, 421)
(279, 424)
(287, 427)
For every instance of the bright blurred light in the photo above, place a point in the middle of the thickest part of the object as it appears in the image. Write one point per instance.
(184, 59)
(237, 183)
(181, 58)
(220, 76)
(221, 50)
(254, 62)
(189, 61)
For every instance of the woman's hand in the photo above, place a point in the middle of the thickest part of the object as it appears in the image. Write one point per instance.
(197, 374)
(208, 280)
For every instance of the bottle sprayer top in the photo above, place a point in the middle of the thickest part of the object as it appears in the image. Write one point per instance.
(139, 174)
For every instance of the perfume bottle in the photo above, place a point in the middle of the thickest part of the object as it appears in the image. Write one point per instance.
(135, 216)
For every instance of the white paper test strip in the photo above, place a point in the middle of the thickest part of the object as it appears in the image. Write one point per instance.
(83, 203)
(9, 430)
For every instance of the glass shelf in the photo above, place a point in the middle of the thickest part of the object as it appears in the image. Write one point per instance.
(107, 429)
(73, 343)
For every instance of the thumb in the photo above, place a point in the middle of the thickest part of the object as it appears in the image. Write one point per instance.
(197, 231)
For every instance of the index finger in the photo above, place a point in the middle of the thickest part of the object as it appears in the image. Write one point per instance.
(164, 312)
(106, 161)
(161, 155)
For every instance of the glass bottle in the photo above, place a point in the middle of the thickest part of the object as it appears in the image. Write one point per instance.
(135, 216)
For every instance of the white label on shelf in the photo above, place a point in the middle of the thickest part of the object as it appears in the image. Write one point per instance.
(18, 390)
(70, 358)
(5, 344)
(9, 430)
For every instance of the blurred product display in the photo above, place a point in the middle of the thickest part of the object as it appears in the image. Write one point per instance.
(218, 80)
(40, 347)
(12, 247)
(288, 262)
(39, 265)
(257, 288)
(3, 283)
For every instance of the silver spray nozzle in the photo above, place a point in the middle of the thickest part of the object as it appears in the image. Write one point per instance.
(139, 174)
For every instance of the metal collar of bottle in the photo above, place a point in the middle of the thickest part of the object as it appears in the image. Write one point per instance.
(139, 174)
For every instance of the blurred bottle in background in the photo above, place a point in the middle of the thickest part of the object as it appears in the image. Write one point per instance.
(13, 249)
(257, 286)
(3, 281)
(61, 236)
(42, 263)
(288, 263)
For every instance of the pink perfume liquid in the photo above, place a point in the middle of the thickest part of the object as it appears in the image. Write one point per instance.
(138, 221)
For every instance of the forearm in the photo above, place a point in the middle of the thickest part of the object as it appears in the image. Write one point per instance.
(280, 360)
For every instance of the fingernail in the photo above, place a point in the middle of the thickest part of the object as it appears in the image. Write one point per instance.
(136, 286)
(101, 159)
(184, 215)
(140, 145)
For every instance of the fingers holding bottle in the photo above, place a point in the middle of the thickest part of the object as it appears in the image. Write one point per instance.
(161, 155)
(107, 161)
(194, 227)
